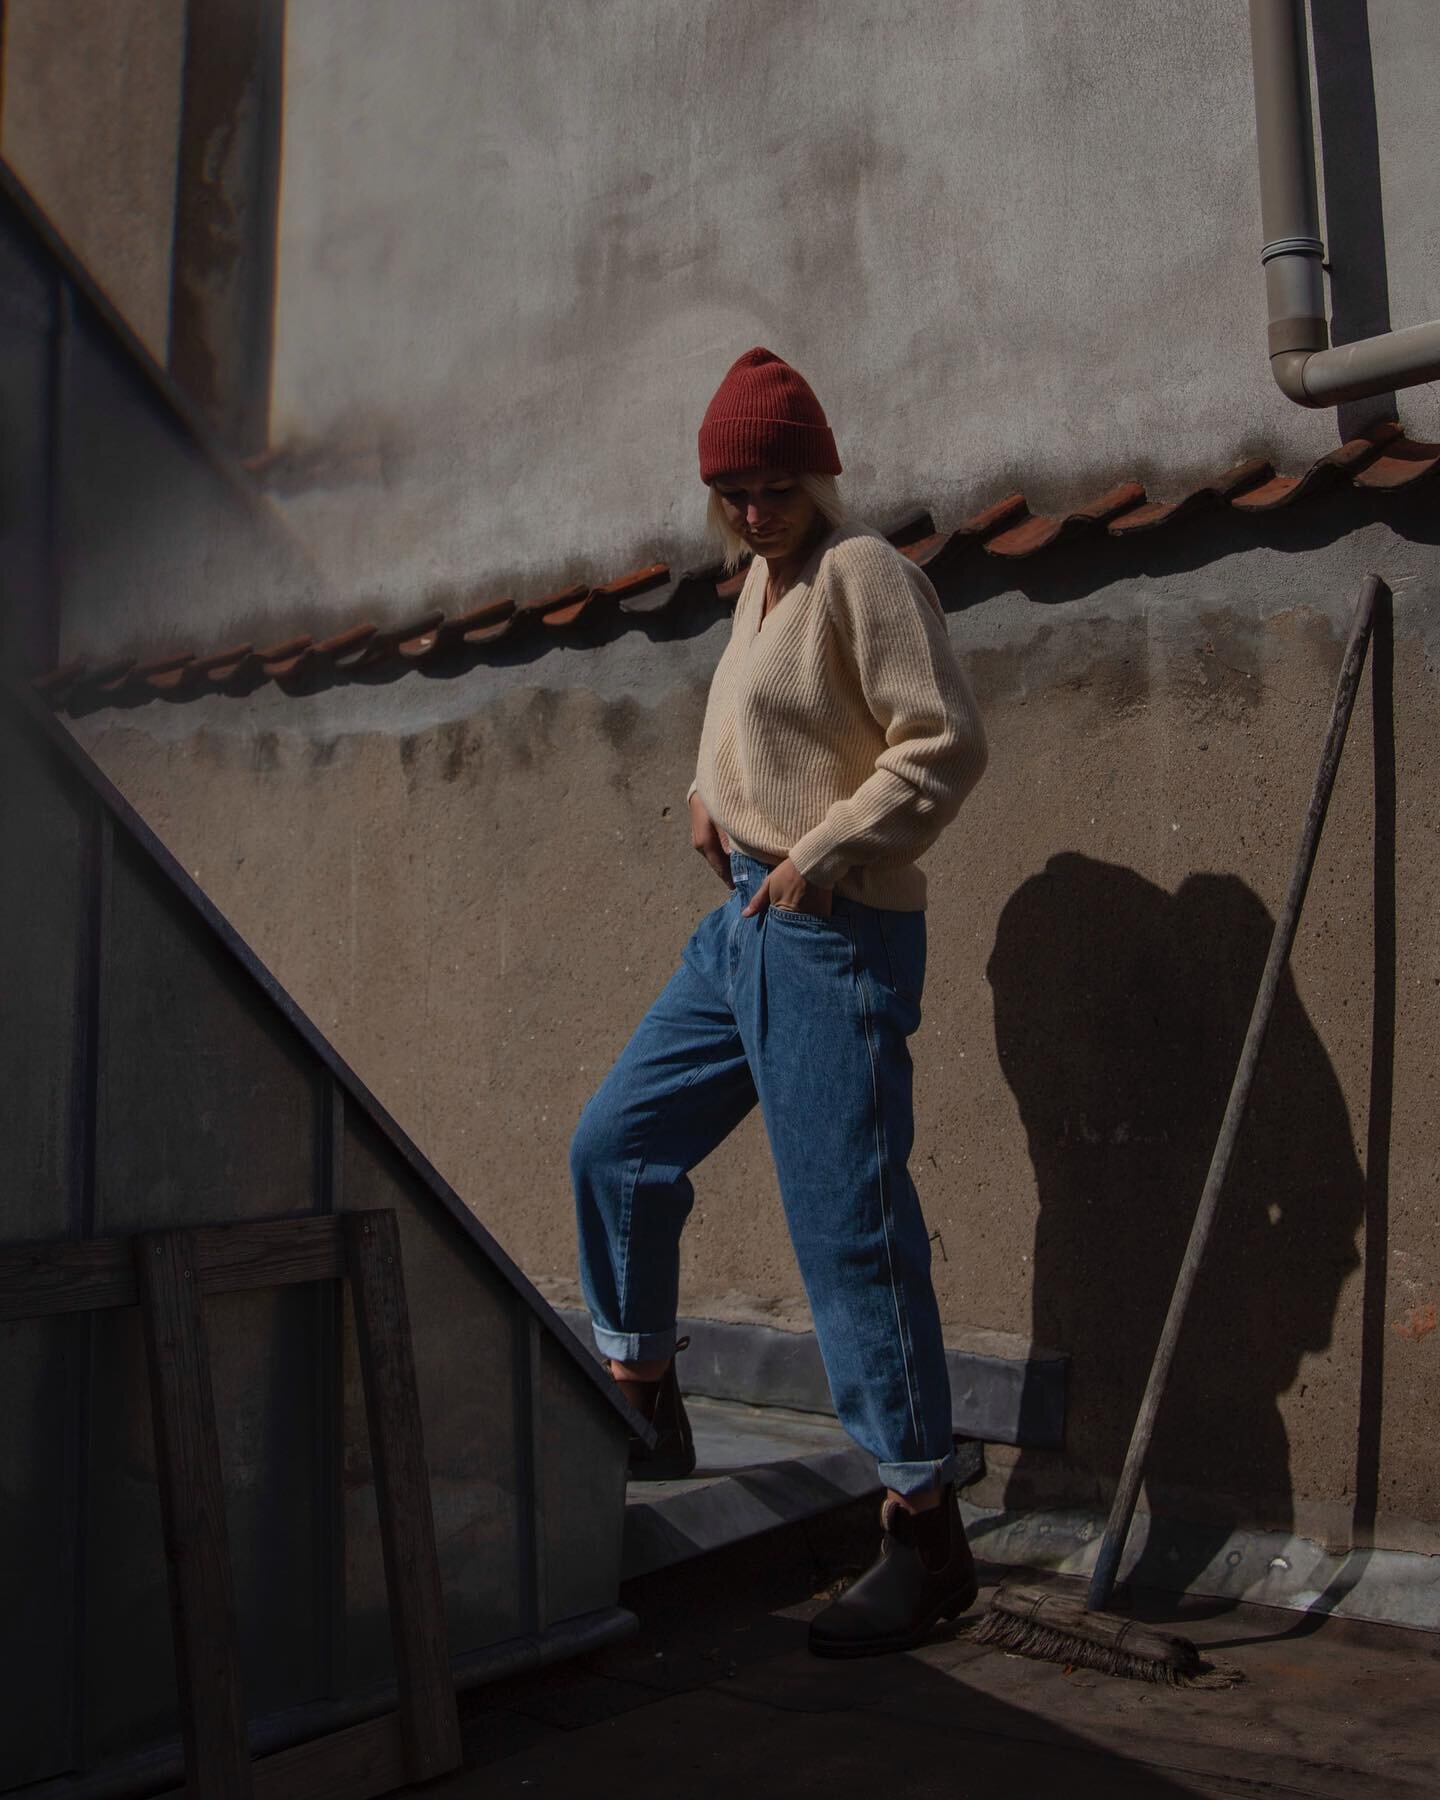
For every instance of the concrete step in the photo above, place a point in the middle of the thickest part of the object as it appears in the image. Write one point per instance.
(1004, 1389)
(758, 1467)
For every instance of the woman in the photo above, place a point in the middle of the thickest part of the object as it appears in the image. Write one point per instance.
(840, 737)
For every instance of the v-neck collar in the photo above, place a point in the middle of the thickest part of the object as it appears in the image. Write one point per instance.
(804, 579)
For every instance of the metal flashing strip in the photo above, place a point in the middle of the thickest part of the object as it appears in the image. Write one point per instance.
(1264, 1568)
(1003, 1389)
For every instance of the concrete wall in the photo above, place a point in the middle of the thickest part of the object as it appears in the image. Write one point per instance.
(1008, 244)
(90, 123)
(518, 248)
(478, 885)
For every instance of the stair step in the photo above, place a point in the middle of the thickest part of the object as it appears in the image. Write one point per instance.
(1004, 1389)
(757, 1467)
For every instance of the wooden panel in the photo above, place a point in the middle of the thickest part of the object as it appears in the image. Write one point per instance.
(357, 1764)
(38, 1279)
(429, 1720)
(273, 1253)
(461, 1327)
(192, 1499)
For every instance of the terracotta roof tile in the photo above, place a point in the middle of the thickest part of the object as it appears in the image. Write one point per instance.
(544, 603)
(636, 582)
(1038, 534)
(1381, 461)
(1155, 513)
(147, 671)
(388, 642)
(1326, 471)
(994, 517)
(1399, 465)
(663, 596)
(487, 623)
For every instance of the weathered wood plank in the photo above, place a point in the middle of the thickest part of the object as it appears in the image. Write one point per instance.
(89, 1275)
(69, 1276)
(269, 1253)
(429, 1721)
(357, 1764)
(192, 1501)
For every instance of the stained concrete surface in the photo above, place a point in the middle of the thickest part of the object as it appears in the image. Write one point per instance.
(90, 123)
(719, 1696)
(1008, 246)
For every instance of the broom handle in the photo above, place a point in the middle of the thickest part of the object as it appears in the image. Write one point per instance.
(1122, 1508)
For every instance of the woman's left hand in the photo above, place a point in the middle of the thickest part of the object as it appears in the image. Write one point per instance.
(786, 886)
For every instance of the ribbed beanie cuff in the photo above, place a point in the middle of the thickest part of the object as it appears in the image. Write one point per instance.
(765, 414)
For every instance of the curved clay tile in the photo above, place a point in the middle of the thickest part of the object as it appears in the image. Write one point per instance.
(1039, 533)
(546, 603)
(1400, 464)
(687, 584)
(316, 657)
(386, 642)
(1154, 513)
(1325, 472)
(1381, 460)
(146, 671)
(486, 623)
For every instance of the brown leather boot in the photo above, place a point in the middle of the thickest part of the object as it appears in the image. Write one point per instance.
(924, 1573)
(659, 1401)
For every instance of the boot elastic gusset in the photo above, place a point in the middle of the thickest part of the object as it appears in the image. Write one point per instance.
(925, 1572)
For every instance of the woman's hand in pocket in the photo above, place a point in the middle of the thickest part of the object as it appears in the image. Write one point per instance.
(786, 886)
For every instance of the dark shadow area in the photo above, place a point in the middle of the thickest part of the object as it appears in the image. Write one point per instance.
(1120, 1010)
(1349, 143)
(1382, 1080)
(718, 1695)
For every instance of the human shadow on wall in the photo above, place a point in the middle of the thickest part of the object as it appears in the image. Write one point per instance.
(1120, 1010)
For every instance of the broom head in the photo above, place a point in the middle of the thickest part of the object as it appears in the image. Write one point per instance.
(1028, 1621)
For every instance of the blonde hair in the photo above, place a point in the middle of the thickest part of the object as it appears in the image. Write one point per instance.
(822, 489)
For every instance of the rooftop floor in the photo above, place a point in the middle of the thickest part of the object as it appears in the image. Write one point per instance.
(718, 1696)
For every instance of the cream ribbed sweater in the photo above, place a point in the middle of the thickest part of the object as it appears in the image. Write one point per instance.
(843, 735)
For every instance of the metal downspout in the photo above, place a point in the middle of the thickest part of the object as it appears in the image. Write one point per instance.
(1304, 367)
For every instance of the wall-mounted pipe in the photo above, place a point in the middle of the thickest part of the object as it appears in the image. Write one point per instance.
(1303, 365)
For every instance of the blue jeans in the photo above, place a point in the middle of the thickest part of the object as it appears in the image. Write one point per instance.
(810, 1017)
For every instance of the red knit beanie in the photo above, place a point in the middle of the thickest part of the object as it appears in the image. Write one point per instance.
(765, 414)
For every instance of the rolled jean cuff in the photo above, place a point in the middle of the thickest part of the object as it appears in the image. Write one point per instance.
(634, 1346)
(917, 1477)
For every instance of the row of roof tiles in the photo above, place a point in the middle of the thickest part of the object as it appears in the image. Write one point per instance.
(1383, 461)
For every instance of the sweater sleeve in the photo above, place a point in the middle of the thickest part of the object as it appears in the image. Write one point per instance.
(918, 694)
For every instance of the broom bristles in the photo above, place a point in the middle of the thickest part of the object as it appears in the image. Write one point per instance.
(1051, 1628)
